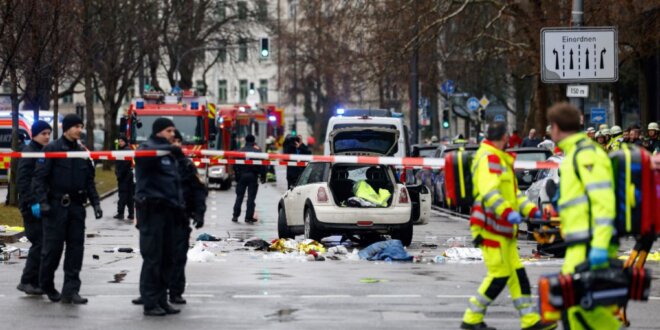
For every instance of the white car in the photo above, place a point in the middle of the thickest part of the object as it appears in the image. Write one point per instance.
(536, 192)
(318, 205)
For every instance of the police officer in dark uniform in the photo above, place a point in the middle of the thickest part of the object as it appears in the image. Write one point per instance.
(159, 202)
(194, 195)
(61, 187)
(125, 185)
(294, 145)
(33, 227)
(246, 176)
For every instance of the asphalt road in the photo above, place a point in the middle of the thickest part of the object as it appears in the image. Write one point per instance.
(243, 289)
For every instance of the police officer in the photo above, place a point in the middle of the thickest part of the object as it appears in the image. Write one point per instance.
(294, 145)
(159, 205)
(247, 176)
(33, 227)
(61, 187)
(498, 209)
(125, 185)
(194, 194)
(587, 209)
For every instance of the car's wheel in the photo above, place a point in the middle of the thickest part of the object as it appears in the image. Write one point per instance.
(283, 229)
(404, 234)
(225, 184)
(311, 227)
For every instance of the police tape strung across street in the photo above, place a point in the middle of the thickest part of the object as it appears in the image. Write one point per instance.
(102, 155)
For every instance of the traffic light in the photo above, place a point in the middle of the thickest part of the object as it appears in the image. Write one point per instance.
(265, 48)
(445, 118)
(251, 91)
(482, 115)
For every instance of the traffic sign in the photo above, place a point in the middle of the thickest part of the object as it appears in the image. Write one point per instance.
(579, 55)
(448, 87)
(484, 102)
(472, 104)
(598, 116)
(577, 91)
(499, 118)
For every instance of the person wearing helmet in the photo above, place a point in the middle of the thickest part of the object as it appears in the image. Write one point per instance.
(616, 138)
(603, 127)
(601, 139)
(591, 133)
(653, 144)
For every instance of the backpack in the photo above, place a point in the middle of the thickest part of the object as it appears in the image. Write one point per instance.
(458, 178)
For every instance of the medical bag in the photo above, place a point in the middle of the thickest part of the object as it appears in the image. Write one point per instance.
(458, 178)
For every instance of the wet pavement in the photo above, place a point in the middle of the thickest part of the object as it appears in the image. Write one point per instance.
(244, 289)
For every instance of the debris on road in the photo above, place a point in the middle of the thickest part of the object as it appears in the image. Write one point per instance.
(199, 253)
(371, 280)
(463, 254)
(459, 241)
(392, 250)
(119, 277)
(257, 243)
(207, 238)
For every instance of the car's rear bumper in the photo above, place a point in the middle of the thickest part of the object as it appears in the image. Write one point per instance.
(332, 215)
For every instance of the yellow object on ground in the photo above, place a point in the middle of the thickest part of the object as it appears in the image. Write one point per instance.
(284, 245)
(310, 245)
(363, 190)
(13, 228)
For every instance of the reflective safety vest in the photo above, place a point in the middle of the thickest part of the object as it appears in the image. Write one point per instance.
(586, 202)
(496, 193)
(615, 143)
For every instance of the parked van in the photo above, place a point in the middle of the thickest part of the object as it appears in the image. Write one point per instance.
(362, 129)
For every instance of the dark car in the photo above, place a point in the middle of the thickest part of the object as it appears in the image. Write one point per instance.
(526, 177)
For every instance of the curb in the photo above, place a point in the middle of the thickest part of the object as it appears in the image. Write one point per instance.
(104, 196)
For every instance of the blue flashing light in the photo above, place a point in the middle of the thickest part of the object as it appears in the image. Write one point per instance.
(397, 115)
(272, 118)
(139, 104)
(340, 111)
(194, 105)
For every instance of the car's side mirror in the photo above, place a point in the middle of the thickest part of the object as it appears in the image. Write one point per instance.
(550, 188)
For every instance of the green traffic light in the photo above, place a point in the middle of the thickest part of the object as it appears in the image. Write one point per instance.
(264, 53)
(445, 124)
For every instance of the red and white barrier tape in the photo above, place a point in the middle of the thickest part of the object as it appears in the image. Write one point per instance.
(102, 155)
(233, 161)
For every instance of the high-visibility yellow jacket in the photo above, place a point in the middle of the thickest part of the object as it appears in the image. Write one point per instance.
(496, 193)
(587, 202)
(615, 143)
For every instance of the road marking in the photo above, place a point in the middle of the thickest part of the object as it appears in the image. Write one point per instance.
(258, 296)
(327, 296)
(453, 296)
(394, 296)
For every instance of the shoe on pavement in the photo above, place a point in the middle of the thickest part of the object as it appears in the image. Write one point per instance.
(137, 301)
(540, 325)
(251, 220)
(75, 299)
(118, 217)
(178, 299)
(54, 295)
(234, 219)
(30, 289)
(169, 309)
(130, 217)
(156, 311)
(478, 326)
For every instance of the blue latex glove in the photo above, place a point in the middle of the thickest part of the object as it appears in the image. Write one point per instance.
(597, 257)
(514, 218)
(538, 214)
(36, 210)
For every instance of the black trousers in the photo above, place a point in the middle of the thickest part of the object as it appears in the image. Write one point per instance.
(33, 232)
(126, 190)
(63, 225)
(181, 241)
(247, 181)
(156, 224)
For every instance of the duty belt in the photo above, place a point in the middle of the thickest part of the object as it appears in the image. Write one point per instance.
(68, 198)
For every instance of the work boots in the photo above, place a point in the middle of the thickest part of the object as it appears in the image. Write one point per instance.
(119, 217)
(177, 299)
(478, 326)
(54, 295)
(30, 289)
(75, 299)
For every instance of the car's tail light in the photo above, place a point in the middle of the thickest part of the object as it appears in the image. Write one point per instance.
(403, 196)
(321, 195)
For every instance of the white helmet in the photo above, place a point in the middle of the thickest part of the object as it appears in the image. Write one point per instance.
(591, 130)
(602, 127)
(598, 134)
(548, 128)
(653, 126)
(605, 131)
(616, 130)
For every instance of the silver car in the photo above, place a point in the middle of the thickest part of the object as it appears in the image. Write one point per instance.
(536, 192)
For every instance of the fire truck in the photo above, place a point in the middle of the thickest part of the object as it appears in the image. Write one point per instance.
(233, 123)
(187, 110)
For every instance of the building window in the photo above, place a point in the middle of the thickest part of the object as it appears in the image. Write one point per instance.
(222, 91)
(263, 91)
(221, 10)
(6, 87)
(222, 51)
(243, 90)
(242, 10)
(200, 86)
(67, 99)
(242, 50)
(262, 10)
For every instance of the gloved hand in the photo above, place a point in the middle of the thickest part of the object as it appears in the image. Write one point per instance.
(597, 257)
(98, 213)
(198, 220)
(514, 218)
(477, 241)
(537, 214)
(36, 210)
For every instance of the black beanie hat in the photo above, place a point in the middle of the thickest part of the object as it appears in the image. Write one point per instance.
(123, 138)
(249, 138)
(70, 120)
(161, 124)
(40, 126)
(177, 135)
